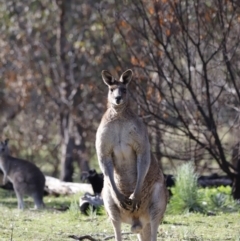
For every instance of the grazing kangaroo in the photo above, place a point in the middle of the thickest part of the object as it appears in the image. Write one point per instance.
(134, 190)
(24, 175)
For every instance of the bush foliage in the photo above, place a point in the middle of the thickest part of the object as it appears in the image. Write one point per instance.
(185, 193)
(189, 197)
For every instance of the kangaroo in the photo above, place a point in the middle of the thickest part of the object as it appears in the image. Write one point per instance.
(24, 175)
(134, 189)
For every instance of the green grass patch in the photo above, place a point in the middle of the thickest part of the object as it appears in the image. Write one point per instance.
(51, 224)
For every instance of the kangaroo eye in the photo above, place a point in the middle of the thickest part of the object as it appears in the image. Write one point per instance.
(124, 91)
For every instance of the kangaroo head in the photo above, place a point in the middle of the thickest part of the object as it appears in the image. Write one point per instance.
(117, 89)
(4, 148)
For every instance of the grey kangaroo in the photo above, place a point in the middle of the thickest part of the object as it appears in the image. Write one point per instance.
(134, 189)
(27, 179)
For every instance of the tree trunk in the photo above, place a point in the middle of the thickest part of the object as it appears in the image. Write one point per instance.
(73, 148)
(67, 148)
(71, 132)
(80, 150)
(158, 140)
(236, 185)
(67, 161)
(236, 164)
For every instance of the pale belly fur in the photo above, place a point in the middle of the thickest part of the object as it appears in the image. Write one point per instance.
(125, 174)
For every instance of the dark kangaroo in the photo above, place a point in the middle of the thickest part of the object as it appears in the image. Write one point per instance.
(27, 179)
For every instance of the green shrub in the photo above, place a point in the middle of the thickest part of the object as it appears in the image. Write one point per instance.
(186, 197)
(219, 199)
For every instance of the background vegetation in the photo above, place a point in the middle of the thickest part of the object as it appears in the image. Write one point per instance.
(185, 57)
(187, 196)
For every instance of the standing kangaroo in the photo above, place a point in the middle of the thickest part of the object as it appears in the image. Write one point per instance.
(134, 189)
(24, 175)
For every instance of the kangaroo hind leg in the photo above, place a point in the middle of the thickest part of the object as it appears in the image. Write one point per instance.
(157, 209)
(145, 233)
(117, 229)
(38, 200)
(19, 199)
(113, 212)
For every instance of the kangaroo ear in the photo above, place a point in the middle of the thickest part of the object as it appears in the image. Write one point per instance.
(126, 77)
(6, 142)
(107, 78)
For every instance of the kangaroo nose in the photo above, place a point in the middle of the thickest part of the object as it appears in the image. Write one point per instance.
(118, 98)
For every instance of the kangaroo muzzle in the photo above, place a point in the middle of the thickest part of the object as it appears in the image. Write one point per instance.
(118, 99)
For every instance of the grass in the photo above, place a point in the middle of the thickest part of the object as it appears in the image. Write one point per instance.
(50, 224)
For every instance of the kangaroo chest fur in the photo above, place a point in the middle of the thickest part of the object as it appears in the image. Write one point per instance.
(120, 139)
(124, 139)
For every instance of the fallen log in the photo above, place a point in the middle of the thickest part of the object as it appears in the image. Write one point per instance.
(55, 186)
(213, 180)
